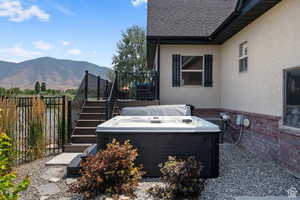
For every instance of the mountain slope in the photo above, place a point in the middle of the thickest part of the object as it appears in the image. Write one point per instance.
(58, 74)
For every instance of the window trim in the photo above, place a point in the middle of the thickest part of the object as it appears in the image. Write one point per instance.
(192, 70)
(242, 57)
(284, 114)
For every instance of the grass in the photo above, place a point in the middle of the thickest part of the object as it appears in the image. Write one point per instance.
(9, 116)
(36, 137)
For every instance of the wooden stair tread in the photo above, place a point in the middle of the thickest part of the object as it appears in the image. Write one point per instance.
(85, 128)
(83, 135)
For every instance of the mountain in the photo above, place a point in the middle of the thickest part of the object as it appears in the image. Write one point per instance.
(56, 73)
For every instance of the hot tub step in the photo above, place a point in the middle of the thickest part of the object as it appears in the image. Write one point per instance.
(74, 148)
(93, 116)
(85, 131)
(83, 139)
(93, 109)
(89, 123)
(95, 103)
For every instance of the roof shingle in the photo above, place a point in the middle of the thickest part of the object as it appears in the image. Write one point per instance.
(190, 18)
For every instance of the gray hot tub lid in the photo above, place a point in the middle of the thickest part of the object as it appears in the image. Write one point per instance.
(158, 124)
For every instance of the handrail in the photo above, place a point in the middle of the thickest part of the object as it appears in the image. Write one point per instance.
(91, 87)
(111, 99)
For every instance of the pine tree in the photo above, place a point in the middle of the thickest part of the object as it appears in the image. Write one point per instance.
(43, 87)
(131, 51)
(37, 87)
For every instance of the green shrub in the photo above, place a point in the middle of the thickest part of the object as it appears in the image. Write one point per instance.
(111, 171)
(9, 189)
(181, 179)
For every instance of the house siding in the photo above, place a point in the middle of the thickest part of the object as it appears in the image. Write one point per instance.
(199, 96)
(273, 45)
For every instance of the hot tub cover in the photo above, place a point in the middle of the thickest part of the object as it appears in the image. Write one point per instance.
(162, 110)
(139, 124)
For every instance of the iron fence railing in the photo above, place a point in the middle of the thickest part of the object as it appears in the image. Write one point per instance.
(91, 88)
(53, 126)
(139, 86)
(111, 101)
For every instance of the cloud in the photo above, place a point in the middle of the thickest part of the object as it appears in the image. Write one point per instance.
(64, 10)
(137, 3)
(14, 11)
(42, 45)
(19, 52)
(75, 52)
(65, 43)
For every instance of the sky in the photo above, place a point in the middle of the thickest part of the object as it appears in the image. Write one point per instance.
(86, 30)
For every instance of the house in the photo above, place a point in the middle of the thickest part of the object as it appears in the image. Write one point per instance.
(236, 56)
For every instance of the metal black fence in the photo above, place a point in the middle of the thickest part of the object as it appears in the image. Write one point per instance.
(138, 86)
(91, 88)
(53, 126)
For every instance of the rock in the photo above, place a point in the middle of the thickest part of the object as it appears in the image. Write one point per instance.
(54, 174)
(47, 190)
(70, 180)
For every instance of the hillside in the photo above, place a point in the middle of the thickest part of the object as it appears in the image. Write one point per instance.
(58, 74)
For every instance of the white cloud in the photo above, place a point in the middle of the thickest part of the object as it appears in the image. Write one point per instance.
(42, 45)
(65, 43)
(14, 11)
(64, 10)
(19, 52)
(137, 3)
(75, 52)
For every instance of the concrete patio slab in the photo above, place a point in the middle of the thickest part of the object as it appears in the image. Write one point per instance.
(48, 190)
(62, 159)
(54, 174)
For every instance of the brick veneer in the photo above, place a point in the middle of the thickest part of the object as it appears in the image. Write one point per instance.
(265, 137)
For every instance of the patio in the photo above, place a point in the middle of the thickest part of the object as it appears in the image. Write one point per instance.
(241, 174)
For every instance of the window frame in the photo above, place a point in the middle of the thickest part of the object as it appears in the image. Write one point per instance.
(284, 114)
(243, 56)
(192, 70)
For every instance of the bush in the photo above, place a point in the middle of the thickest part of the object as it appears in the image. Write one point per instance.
(111, 171)
(181, 178)
(9, 189)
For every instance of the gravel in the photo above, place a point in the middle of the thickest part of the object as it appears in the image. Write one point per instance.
(241, 174)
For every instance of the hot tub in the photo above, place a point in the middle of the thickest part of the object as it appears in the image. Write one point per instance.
(156, 138)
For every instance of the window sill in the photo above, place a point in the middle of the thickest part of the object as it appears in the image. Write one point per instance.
(192, 86)
(290, 130)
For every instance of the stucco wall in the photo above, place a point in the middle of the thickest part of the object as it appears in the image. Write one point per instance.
(273, 45)
(198, 96)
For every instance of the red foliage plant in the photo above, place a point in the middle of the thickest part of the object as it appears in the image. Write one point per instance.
(182, 179)
(111, 171)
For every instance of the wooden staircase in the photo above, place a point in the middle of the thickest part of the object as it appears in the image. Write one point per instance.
(93, 113)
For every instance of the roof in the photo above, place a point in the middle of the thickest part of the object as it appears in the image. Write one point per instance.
(187, 17)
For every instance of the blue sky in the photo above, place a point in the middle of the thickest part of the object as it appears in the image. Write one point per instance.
(73, 29)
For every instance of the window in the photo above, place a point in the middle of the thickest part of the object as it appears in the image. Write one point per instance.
(292, 98)
(192, 68)
(243, 57)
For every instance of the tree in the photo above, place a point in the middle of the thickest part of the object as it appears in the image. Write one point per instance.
(37, 87)
(131, 51)
(43, 87)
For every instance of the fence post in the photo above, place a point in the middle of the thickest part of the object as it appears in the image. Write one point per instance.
(69, 121)
(86, 85)
(98, 87)
(156, 86)
(117, 85)
(63, 122)
(106, 89)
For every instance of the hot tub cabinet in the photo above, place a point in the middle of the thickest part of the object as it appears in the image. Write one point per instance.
(156, 138)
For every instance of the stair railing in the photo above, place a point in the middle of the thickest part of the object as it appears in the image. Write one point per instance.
(113, 95)
(91, 88)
